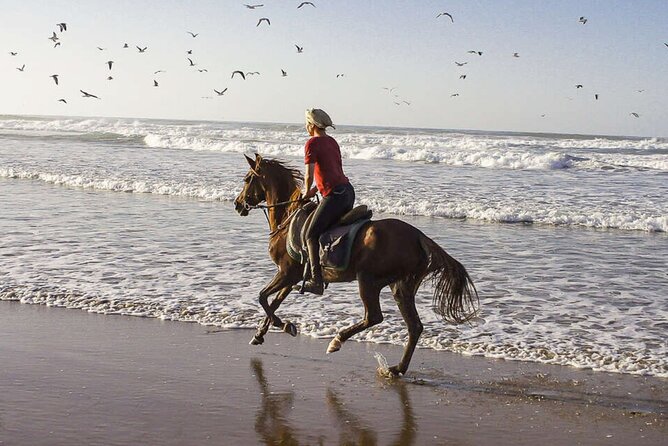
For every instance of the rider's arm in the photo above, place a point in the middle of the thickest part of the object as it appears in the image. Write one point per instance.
(309, 189)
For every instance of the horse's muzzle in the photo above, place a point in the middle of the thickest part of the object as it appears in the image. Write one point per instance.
(241, 208)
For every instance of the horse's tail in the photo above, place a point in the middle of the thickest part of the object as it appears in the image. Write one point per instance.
(455, 297)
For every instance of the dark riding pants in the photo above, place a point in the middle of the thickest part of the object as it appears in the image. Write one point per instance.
(329, 211)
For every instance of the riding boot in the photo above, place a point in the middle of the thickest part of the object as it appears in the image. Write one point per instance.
(315, 284)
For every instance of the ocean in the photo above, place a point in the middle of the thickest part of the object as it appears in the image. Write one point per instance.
(565, 236)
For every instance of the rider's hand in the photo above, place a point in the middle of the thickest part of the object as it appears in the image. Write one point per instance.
(310, 194)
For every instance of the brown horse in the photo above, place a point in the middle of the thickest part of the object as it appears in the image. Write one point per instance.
(385, 252)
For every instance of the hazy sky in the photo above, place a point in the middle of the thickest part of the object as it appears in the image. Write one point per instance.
(374, 44)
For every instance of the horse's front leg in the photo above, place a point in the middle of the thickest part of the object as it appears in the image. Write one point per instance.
(279, 282)
(287, 327)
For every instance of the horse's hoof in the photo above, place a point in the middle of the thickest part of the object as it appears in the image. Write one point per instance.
(395, 372)
(290, 329)
(257, 340)
(334, 346)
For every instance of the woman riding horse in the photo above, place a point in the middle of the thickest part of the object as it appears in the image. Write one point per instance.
(322, 158)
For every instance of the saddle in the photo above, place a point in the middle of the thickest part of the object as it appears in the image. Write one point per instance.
(335, 243)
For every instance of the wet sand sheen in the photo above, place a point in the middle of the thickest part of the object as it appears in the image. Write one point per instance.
(70, 377)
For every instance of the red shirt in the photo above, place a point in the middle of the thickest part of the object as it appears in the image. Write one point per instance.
(324, 152)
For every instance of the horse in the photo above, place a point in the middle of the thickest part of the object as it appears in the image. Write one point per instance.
(385, 252)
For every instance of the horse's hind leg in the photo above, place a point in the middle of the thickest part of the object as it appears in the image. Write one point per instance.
(404, 295)
(370, 294)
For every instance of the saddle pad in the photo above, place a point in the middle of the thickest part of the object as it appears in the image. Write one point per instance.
(336, 245)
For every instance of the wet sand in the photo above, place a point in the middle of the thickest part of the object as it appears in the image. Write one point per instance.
(69, 377)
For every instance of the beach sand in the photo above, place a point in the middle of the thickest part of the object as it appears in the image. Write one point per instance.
(69, 377)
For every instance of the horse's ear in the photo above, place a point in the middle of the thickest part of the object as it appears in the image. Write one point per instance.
(251, 161)
(258, 160)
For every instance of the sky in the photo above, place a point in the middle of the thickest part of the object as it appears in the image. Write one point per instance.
(373, 46)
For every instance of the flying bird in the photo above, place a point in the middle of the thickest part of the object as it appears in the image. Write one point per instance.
(192, 64)
(460, 64)
(243, 76)
(125, 45)
(54, 37)
(252, 73)
(516, 55)
(406, 102)
(596, 96)
(110, 78)
(578, 86)
(446, 14)
(141, 50)
(13, 53)
(220, 93)
(340, 75)
(63, 101)
(202, 70)
(389, 90)
(22, 68)
(55, 78)
(155, 83)
(583, 20)
(88, 95)
(159, 71)
(62, 26)
(193, 34)
(189, 52)
(640, 91)
(253, 6)
(634, 114)
(300, 49)
(305, 3)
(100, 48)
(263, 19)
(283, 72)
(110, 63)
(454, 94)
(463, 76)
(57, 44)
(665, 44)
(479, 53)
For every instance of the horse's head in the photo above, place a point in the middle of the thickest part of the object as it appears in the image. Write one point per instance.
(254, 191)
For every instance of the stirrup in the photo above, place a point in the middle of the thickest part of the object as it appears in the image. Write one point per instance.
(310, 286)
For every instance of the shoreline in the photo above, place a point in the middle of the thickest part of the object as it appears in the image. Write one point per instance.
(71, 377)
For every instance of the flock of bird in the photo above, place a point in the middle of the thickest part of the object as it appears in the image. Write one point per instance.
(62, 27)
(397, 99)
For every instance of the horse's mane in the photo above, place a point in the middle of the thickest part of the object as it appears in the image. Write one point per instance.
(280, 172)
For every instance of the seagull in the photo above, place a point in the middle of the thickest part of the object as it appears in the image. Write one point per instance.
(13, 53)
(57, 44)
(454, 94)
(54, 38)
(141, 50)
(62, 26)
(88, 95)
(340, 75)
(406, 102)
(202, 70)
(22, 68)
(305, 3)
(578, 86)
(283, 72)
(159, 71)
(543, 115)
(596, 96)
(446, 14)
(516, 55)
(192, 64)
(125, 45)
(110, 78)
(55, 78)
(634, 114)
(100, 48)
(397, 103)
(640, 91)
(300, 49)
(220, 93)
(253, 6)
(155, 83)
(243, 76)
(583, 20)
(193, 34)
(63, 101)
(665, 44)
(263, 19)
(479, 53)
(110, 63)
(252, 73)
(460, 64)
(463, 76)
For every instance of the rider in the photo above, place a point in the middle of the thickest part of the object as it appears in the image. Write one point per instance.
(322, 158)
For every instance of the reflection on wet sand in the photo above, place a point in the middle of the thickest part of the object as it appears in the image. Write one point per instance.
(273, 427)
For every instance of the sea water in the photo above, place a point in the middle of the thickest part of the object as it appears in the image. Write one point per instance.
(565, 236)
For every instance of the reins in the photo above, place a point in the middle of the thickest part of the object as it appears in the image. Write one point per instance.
(264, 207)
